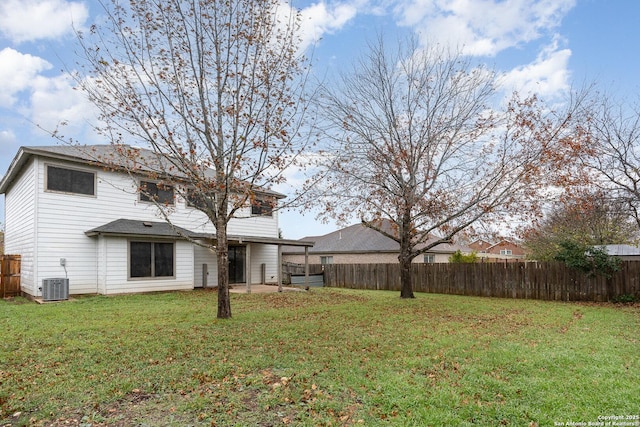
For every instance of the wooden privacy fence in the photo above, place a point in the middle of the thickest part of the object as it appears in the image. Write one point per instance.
(9, 275)
(531, 280)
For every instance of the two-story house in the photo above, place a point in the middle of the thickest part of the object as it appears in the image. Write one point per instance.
(503, 250)
(70, 217)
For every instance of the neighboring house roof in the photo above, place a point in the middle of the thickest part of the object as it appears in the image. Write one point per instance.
(359, 238)
(480, 245)
(130, 227)
(622, 250)
(99, 155)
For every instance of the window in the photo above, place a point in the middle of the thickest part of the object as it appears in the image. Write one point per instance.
(262, 207)
(152, 191)
(197, 200)
(429, 258)
(151, 259)
(506, 252)
(71, 181)
(326, 260)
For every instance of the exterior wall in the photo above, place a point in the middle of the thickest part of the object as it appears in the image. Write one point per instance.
(264, 254)
(20, 225)
(258, 226)
(505, 245)
(204, 256)
(117, 281)
(480, 245)
(48, 226)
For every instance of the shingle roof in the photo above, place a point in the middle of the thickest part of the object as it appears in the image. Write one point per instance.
(100, 154)
(132, 227)
(359, 238)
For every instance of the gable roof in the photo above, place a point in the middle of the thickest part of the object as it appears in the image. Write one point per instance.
(359, 238)
(105, 155)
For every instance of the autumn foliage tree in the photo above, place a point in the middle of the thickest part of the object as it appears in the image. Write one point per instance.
(415, 142)
(215, 89)
(585, 219)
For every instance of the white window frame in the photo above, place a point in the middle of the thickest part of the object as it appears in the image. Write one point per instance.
(152, 276)
(73, 169)
(326, 259)
(156, 183)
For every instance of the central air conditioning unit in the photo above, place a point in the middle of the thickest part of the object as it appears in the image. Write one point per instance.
(55, 289)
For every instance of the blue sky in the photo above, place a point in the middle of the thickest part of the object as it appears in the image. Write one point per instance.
(544, 46)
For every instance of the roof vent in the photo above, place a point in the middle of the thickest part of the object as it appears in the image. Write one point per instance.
(147, 224)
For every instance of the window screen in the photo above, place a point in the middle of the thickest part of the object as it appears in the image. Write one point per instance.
(151, 191)
(151, 259)
(70, 180)
(262, 207)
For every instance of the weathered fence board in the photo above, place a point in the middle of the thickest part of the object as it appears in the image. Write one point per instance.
(526, 280)
(9, 275)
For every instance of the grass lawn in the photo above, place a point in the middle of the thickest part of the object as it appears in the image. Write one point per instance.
(324, 357)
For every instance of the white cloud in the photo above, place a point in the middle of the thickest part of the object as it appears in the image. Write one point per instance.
(54, 101)
(482, 27)
(28, 20)
(547, 76)
(320, 18)
(17, 72)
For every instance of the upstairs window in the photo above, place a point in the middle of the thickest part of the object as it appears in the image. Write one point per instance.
(199, 201)
(153, 191)
(71, 181)
(261, 207)
(506, 252)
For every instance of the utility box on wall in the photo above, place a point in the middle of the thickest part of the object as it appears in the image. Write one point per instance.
(55, 289)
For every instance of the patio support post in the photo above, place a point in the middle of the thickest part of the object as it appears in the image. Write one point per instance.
(248, 268)
(279, 272)
(306, 267)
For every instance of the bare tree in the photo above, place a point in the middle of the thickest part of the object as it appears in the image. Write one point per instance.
(587, 219)
(215, 89)
(416, 145)
(613, 151)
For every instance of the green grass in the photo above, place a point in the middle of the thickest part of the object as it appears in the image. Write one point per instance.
(326, 357)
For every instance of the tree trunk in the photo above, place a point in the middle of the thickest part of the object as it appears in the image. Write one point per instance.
(406, 282)
(222, 255)
(405, 257)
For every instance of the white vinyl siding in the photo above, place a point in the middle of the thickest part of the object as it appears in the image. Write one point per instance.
(204, 256)
(20, 225)
(264, 254)
(117, 271)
